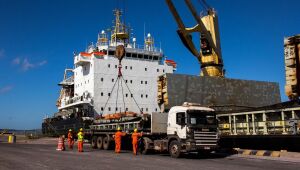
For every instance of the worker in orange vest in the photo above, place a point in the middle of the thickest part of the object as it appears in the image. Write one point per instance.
(70, 139)
(118, 135)
(80, 140)
(135, 136)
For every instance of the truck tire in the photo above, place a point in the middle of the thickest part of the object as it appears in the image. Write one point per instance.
(94, 142)
(175, 149)
(99, 142)
(106, 143)
(144, 145)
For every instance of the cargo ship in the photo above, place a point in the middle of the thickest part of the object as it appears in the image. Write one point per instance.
(92, 88)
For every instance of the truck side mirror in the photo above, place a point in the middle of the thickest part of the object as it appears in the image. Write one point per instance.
(180, 118)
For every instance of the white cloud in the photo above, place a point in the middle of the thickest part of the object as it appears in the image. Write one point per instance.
(42, 63)
(6, 89)
(26, 65)
(16, 61)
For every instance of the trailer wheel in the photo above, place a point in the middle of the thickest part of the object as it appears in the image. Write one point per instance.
(100, 142)
(106, 143)
(175, 149)
(143, 146)
(94, 142)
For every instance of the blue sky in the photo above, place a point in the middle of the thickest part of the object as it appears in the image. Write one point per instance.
(38, 37)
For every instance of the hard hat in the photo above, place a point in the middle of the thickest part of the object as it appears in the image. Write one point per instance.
(119, 128)
(80, 129)
(135, 130)
(70, 130)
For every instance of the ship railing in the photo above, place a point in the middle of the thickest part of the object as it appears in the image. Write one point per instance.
(80, 60)
(139, 47)
(69, 80)
(75, 100)
(283, 127)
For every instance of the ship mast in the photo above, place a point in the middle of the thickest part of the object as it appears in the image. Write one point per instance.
(120, 32)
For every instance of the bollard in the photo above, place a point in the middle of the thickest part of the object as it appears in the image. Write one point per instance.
(11, 139)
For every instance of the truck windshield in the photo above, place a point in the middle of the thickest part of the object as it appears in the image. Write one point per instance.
(198, 117)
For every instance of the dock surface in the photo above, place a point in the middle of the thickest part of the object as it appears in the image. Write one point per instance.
(43, 155)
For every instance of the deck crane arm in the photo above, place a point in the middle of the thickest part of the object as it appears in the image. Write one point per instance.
(212, 40)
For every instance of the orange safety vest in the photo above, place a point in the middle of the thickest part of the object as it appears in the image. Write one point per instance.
(118, 135)
(135, 136)
(70, 136)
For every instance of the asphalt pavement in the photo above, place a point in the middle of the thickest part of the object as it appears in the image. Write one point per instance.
(44, 156)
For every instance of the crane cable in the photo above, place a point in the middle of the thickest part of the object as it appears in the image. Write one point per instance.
(204, 4)
(120, 78)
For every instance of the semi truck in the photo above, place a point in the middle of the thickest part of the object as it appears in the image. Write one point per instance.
(186, 128)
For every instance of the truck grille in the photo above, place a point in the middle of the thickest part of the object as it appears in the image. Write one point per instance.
(206, 138)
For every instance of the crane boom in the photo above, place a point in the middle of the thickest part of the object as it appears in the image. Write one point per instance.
(210, 51)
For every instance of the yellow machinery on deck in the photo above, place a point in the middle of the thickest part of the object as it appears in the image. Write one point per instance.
(292, 66)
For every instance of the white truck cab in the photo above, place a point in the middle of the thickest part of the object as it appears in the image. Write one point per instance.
(191, 127)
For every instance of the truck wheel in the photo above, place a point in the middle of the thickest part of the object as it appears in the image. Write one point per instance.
(143, 145)
(94, 142)
(175, 149)
(106, 143)
(100, 142)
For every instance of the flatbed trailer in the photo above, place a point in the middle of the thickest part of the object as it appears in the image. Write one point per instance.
(184, 129)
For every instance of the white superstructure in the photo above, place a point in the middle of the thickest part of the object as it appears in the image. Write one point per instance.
(95, 72)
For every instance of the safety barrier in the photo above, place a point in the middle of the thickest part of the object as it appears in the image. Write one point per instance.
(259, 152)
(61, 144)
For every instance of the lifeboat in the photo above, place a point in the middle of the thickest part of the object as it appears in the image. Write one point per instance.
(171, 62)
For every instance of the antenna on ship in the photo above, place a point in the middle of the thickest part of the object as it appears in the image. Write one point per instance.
(144, 30)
